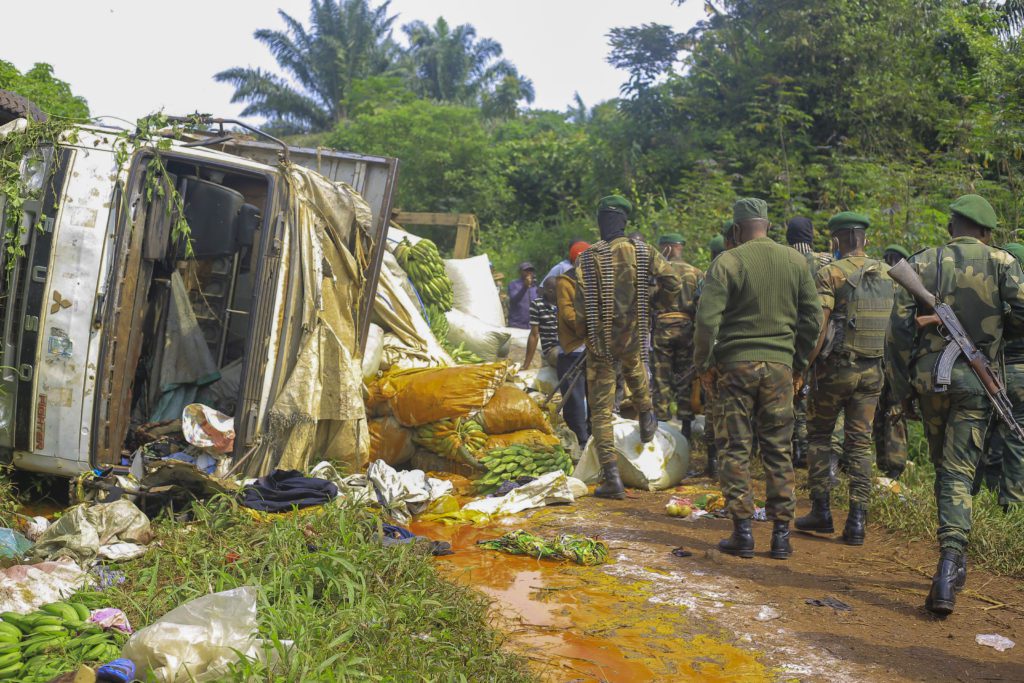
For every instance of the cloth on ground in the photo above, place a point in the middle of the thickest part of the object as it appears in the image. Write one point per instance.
(282, 490)
(396, 535)
(83, 532)
(23, 588)
(186, 363)
(548, 489)
(403, 494)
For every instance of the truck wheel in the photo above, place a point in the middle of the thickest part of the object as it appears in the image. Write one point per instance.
(14, 106)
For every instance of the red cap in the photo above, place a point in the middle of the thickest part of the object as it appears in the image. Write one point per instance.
(576, 249)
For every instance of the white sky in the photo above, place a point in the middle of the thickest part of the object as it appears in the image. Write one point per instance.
(132, 57)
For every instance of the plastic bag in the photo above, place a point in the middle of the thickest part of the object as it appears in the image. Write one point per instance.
(199, 640)
(653, 466)
(548, 489)
(488, 341)
(208, 428)
(473, 288)
(419, 396)
(390, 441)
(512, 410)
(83, 531)
(374, 351)
(12, 543)
(533, 438)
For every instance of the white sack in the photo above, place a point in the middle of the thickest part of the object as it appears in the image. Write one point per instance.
(374, 351)
(517, 347)
(485, 340)
(474, 291)
(653, 466)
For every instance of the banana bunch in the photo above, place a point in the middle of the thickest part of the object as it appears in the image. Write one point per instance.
(463, 356)
(438, 322)
(516, 461)
(423, 264)
(28, 642)
(452, 438)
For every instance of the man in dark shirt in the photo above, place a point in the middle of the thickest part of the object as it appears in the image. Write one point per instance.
(543, 327)
(521, 294)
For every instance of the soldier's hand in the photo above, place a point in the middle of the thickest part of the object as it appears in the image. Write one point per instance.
(798, 382)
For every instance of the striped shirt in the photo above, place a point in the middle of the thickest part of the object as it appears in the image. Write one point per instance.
(545, 317)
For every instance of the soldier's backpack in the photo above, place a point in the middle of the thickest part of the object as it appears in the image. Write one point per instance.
(869, 294)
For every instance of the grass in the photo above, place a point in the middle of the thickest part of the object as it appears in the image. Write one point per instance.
(8, 499)
(354, 609)
(997, 538)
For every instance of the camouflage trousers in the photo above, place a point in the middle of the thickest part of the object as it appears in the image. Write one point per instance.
(672, 360)
(851, 386)
(601, 398)
(1002, 466)
(955, 423)
(890, 436)
(800, 424)
(754, 401)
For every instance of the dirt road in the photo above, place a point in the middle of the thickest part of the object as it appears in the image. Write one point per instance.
(651, 616)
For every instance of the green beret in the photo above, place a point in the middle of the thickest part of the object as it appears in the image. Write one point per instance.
(1017, 250)
(749, 207)
(727, 226)
(848, 219)
(671, 238)
(899, 250)
(614, 202)
(716, 244)
(975, 209)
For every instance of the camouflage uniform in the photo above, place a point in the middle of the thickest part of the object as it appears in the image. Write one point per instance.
(890, 435)
(1002, 468)
(983, 286)
(615, 334)
(672, 343)
(815, 261)
(847, 380)
(757, 322)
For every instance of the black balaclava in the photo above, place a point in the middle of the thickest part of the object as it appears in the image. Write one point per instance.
(799, 230)
(611, 223)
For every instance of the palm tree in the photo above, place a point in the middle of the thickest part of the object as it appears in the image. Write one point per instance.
(347, 40)
(452, 65)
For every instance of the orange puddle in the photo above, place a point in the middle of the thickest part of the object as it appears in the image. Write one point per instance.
(581, 624)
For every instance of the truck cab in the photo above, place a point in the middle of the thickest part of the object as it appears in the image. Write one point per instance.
(111, 319)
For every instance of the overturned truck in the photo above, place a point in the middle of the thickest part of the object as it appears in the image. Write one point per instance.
(112, 318)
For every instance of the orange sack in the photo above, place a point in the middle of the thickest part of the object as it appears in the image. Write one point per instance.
(511, 410)
(424, 395)
(390, 441)
(531, 438)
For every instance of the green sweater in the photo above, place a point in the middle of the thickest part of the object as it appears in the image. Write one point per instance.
(759, 303)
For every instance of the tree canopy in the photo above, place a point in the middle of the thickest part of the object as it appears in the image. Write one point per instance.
(49, 93)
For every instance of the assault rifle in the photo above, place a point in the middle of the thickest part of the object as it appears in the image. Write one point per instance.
(959, 343)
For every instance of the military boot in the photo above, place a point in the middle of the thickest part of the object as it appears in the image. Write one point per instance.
(648, 426)
(820, 517)
(781, 549)
(611, 483)
(853, 532)
(950, 577)
(711, 469)
(741, 543)
(686, 427)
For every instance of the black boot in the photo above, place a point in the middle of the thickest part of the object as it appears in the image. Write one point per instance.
(781, 549)
(611, 483)
(950, 576)
(711, 469)
(820, 517)
(799, 455)
(853, 532)
(648, 426)
(741, 543)
(686, 427)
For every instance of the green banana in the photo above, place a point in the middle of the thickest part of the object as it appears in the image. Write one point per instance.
(9, 658)
(11, 671)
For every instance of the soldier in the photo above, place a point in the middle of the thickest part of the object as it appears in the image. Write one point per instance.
(1002, 466)
(673, 338)
(757, 323)
(800, 236)
(856, 297)
(612, 306)
(716, 246)
(983, 287)
(894, 253)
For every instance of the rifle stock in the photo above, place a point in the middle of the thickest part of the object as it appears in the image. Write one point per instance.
(904, 274)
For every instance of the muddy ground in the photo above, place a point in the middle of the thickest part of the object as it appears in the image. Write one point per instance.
(651, 616)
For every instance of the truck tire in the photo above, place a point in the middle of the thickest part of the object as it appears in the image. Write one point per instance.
(14, 106)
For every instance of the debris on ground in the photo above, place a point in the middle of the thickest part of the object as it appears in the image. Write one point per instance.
(681, 552)
(834, 603)
(578, 549)
(767, 613)
(283, 491)
(996, 641)
(117, 530)
(13, 543)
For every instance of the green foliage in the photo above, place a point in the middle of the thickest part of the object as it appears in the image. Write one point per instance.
(8, 499)
(50, 94)
(355, 609)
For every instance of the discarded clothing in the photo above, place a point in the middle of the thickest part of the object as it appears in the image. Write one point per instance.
(829, 601)
(403, 494)
(84, 530)
(283, 490)
(111, 618)
(396, 535)
(548, 489)
(579, 549)
(23, 588)
(208, 428)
